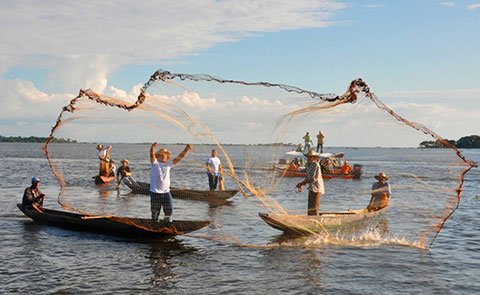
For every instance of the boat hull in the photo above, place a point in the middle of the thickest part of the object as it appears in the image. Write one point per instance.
(186, 194)
(104, 179)
(356, 173)
(322, 223)
(112, 225)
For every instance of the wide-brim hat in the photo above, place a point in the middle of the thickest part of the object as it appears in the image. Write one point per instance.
(99, 146)
(381, 175)
(312, 153)
(163, 151)
(124, 161)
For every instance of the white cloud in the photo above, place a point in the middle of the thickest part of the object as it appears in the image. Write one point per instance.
(193, 100)
(81, 42)
(20, 100)
(447, 3)
(473, 6)
(374, 5)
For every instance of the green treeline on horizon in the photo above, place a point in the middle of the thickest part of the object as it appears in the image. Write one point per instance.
(34, 139)
(466, 142)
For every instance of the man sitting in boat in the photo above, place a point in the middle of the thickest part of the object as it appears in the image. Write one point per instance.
(160, 165)
(214, 169)
(124, 173)
(33, 197)
(112, 168)
(314, 181)
(346, 168)
(380, 193)
(104, 157)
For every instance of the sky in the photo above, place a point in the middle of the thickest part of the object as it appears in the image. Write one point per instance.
(419, 57)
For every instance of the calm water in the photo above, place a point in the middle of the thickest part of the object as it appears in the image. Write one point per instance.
(238, 253)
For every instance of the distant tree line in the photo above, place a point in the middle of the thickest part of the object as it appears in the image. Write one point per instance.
(34, 139)
(466, 142)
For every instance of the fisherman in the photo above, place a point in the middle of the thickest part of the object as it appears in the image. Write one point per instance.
(160, 165)
(104, 157)
(315, 182)
(320, 138)
(380, 193)
(214, 170)
(346, 168)
(33, 197)
(124, 173)
(308, 142)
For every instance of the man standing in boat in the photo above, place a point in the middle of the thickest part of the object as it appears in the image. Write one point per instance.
(104, 157)
(160, 165)
(308, 142)
(315, 182)
(214, 170)
(380, 193)
(320, 138)
(33, 197)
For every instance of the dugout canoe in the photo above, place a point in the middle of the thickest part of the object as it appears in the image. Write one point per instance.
(143, 188)
(323, 222)
(114, 225)
(104, 179)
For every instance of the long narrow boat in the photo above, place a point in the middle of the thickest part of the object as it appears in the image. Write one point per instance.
(112, 225)
(143, 188)
(104, 179)
(323, 222)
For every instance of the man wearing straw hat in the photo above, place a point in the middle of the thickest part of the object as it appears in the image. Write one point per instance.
(315, 182)
(160, 165)
(380, 193)
(124, 173)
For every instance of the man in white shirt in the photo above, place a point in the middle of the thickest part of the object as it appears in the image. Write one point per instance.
(160, 165)
(214, 168)
(104, 157)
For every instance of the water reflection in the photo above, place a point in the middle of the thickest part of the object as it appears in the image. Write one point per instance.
(161, 254)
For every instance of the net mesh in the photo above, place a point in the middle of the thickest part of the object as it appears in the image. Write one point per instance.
(263, 125)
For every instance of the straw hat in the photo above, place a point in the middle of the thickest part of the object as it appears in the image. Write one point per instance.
(99, 146)
(381, 175)
(312, 153)
(124, 160)
(163, 151)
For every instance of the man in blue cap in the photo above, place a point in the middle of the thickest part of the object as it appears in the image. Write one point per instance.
(33, 197)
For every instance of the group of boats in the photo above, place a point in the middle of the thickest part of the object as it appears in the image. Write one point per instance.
(289, 224)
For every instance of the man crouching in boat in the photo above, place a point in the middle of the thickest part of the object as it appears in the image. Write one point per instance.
(33, 197)
(160, 165)
(315, 182)
(380, 193)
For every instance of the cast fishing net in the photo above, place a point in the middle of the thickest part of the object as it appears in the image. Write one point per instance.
(258, 129)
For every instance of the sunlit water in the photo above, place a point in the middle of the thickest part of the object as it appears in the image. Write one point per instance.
(238, 253)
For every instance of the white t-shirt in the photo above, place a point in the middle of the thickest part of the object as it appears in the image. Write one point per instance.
(160, 176)
(214, 163)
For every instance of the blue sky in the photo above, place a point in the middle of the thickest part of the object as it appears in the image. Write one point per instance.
(420, 57)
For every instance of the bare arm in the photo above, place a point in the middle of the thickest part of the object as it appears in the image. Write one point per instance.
(188, 148)
(152, 153)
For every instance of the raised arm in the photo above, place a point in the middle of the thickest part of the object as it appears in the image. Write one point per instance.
(152, 153)
(188, 148)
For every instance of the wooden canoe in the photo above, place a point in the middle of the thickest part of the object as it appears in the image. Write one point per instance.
(112, 225)
(143, 188)
(323, 222)
(356, 173)
(104, 179)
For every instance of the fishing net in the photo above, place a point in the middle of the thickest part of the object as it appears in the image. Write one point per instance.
(258, 130)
